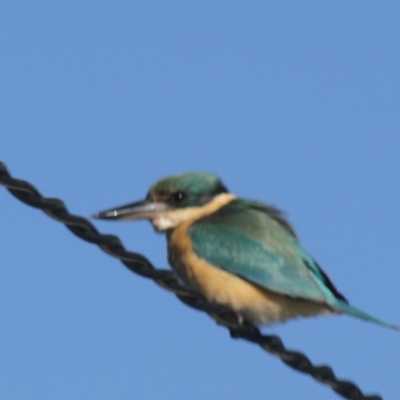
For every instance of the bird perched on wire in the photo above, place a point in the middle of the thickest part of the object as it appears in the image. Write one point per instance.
(237, 253)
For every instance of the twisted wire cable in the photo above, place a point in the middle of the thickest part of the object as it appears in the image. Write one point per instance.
(137, 263)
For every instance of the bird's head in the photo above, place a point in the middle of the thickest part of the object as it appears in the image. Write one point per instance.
(173, 200)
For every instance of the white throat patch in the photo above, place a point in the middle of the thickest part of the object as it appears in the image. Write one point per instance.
(163, 222)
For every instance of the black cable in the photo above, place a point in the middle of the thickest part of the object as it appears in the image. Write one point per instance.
(139, 264)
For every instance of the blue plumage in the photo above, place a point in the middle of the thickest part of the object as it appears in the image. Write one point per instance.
(238, 253)
(251, 242)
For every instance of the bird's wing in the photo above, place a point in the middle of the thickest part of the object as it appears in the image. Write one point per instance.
(255, 242)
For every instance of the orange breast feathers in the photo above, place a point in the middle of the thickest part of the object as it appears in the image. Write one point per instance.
(249, 301)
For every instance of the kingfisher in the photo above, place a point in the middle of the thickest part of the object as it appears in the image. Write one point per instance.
(239, 254)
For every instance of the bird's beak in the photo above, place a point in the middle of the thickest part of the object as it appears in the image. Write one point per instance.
(145, 209)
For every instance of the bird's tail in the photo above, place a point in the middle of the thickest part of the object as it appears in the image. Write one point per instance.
(346, 308)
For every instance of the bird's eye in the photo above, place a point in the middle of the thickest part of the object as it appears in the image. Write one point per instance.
(178, 197)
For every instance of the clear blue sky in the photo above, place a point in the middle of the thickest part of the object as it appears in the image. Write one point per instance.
(293, 103)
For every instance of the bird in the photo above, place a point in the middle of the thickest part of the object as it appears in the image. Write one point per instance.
(239, 254)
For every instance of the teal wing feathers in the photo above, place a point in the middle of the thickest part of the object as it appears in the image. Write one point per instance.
(255, 242)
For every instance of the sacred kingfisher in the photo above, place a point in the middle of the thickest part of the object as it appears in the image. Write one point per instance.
(240, 254)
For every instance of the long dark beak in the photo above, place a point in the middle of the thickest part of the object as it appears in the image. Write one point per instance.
(144, 209)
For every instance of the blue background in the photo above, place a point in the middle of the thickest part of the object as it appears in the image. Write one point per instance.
(293, 103)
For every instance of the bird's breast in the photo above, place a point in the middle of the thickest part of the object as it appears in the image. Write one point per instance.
(253, 303)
